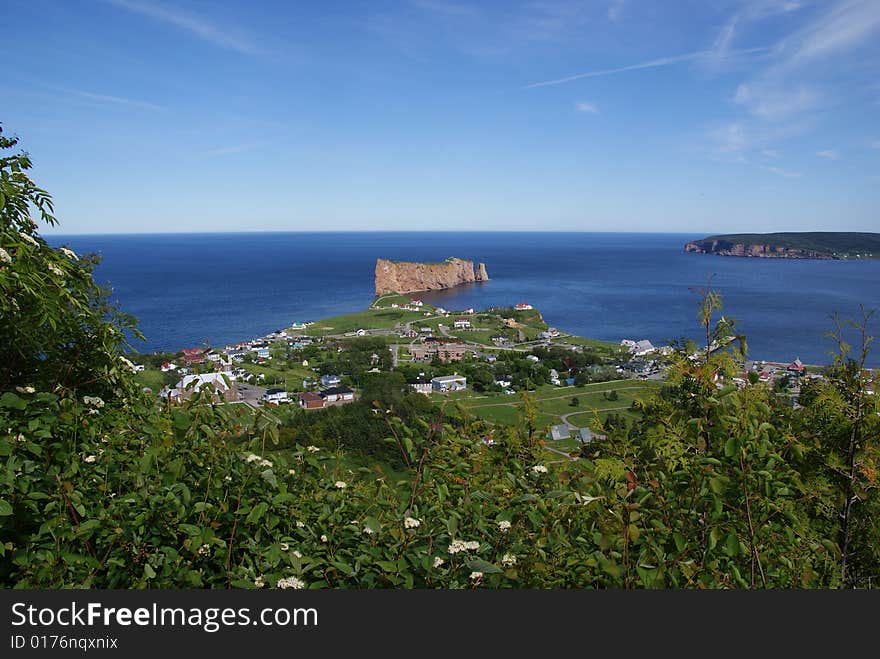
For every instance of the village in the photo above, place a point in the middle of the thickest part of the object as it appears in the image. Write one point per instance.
(475, 359)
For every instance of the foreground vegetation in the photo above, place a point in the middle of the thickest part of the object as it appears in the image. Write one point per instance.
(102, 487)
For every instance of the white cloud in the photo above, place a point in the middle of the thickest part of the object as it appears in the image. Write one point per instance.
(586, 106)
(235, 148)
(849, 24)
(782, 172)
(115, 100)
(770, 153)
(615, 10)
(771, 101)
(196, 25)
(828, 154)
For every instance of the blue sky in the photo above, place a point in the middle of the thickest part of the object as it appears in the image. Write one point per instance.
(602, 115)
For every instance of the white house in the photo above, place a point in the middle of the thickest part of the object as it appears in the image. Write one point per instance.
(533, 358)
(330, 380)
(503, 382)
(561, 431)
(522, 306)
(462, 323)
(554, 376)
(419, 385)
(276, 396)
(337, 395)
(444, 383)
(642, 348)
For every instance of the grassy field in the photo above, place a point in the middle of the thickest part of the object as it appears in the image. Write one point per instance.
(555, 402)
(153, 379)
(367, 319)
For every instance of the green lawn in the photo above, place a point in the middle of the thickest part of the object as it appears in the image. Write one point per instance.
(368, 319)
(553, 402)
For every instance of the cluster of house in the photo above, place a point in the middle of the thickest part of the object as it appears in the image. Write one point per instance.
(583, 435)
(440, 384)
(413, 305)
(644, 347)
(445, 351)
(769, 372)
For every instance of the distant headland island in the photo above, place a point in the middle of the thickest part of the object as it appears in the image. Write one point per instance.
(791, 245)
(407, 277)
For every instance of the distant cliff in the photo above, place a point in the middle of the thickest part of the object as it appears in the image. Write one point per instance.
(812, 245)
(403, 277)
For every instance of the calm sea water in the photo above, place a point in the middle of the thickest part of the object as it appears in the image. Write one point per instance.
(188, 289)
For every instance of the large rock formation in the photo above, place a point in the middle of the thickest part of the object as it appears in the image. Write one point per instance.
(403, 277)
(726, 248)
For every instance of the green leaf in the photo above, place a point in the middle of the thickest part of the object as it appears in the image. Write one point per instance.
(149, 572)
(182, 420)
(731, 446)
(485, 567)
(269, 477)
(9, 399)
(258, 511)
(680, 542)
(5, 508)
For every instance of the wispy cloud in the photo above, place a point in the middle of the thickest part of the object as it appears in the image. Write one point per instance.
(787, 86)
(233, 149)
(782, 172)
(828, 154)
(195, 25)
(444, 7)
(586, 106)
(769, 101)
(875, 144)
(846, 26)
(770, 153)
(615, 10)
(106, 99)
(650, 64)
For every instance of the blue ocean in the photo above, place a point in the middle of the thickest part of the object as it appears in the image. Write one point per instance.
(188, 289)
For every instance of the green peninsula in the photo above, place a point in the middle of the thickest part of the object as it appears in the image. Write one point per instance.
(791, 245)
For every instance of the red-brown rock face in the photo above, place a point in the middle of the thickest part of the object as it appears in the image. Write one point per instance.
(403, 277)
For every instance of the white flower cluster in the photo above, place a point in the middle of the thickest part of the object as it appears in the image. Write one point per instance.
(90, 459)
(93, 401)
(461, 545)
(25, 390)
(539, 469)
(259, 582)
(284, 546)
(55, 271)
(127, 363)
(204, 550)
(290, 472)
(28, 238)
(508, 560)
(251, 457)
(476, 576)
(69, 253)
(323, 538)
(504, 525)
(368, 530)
(341, 485)
(297, 553)
(411, 523)
(291, 582)
(438, 562)
(312, 449)
(4, 256)
(300, 524)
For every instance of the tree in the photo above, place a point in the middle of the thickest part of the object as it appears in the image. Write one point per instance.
(58, 331)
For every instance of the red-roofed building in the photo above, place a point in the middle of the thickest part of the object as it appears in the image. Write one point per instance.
(522, 306)
(310, 400)
(796, 366)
